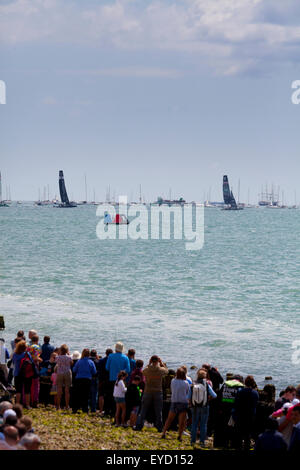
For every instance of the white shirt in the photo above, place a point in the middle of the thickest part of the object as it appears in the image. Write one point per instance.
(120, 390)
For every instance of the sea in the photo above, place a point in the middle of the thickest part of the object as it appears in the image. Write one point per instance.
(233, 304)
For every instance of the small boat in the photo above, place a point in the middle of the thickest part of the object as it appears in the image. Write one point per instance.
(118, 220)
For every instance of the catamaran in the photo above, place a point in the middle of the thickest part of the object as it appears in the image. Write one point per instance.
(229, 200)
(63, 193)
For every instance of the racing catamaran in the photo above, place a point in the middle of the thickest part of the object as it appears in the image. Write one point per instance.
(229, 200)
(63, 192)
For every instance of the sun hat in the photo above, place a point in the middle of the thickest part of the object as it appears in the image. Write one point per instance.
(8, 413)
(76, 355)
(119, 346)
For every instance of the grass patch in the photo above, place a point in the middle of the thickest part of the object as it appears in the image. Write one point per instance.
(62, 430)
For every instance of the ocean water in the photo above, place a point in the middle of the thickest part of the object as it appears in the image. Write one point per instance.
(234, 304)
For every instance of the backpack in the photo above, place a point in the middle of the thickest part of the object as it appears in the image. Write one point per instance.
(27, 367)
(199, 394)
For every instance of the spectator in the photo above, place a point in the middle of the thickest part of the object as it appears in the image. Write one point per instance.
(138, 371)
(294, 446)
(119, 396)
(4, 405)
(35, 351)
(132, 362)
(27, 421)
(31, 333)
(47, 350)
(180, 389)
(11, 437)
(103, 382)
(10, 418)
(94, 384)
(20, 337)
(287, 397)
(84, 371)
(201, 391)
(30, 441)
(22, 375)
(244, 412)
(18, 409)
(64, 375)
(271, 439)
(4, 357)
(153, 394)
(115, 363)
(133, 399)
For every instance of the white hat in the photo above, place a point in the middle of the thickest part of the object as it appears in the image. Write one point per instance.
(295, 401)
(119, 346)
(8, 413)
(76, 355)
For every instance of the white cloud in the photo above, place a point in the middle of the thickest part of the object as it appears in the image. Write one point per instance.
(228, 36)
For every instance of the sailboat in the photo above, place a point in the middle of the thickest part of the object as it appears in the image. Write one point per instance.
(63, 193)
(229, 200)
(2, 203)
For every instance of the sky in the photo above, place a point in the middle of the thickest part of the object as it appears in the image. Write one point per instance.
(167, 94)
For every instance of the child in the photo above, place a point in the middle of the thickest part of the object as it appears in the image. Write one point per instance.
(133, 399)
(119, 396)
(53, 391)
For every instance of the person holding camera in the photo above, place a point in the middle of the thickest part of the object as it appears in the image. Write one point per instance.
(153, 393)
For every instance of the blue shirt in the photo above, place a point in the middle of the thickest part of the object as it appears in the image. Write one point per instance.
(47, 350)
(16, 359)
(270, 440)
(132, 363)
(115, 363)
(84, 369)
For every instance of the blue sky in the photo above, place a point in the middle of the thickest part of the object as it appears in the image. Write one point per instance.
(167, 94)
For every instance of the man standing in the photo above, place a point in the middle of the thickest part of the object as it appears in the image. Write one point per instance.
(153, 394)
(115, 363)
(47, 350)
(103, 381)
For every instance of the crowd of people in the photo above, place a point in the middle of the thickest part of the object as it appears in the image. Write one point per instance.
(232, 412)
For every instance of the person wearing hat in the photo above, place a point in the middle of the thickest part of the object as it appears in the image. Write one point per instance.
(114, 364)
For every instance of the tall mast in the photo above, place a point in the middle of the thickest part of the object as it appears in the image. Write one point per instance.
(86, 198)
(0, 188)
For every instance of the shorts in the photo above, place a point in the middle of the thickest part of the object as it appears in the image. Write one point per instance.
(102, 388)
(53, 390)
(119, 399)
(21, 382)
(178, 407)
(64, 380)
